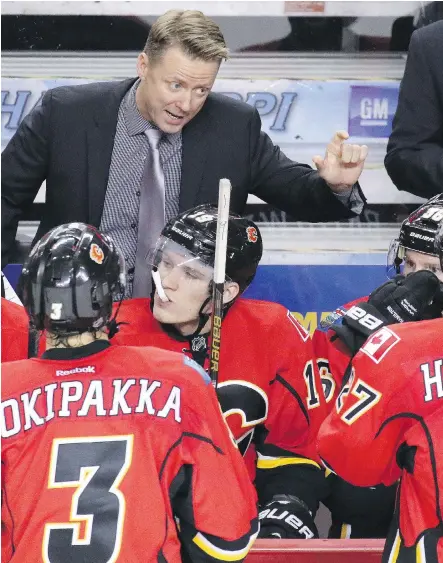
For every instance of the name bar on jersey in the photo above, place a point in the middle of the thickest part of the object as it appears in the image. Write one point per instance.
(93, 398)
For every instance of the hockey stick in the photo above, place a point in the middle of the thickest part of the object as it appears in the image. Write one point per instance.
(224, 196)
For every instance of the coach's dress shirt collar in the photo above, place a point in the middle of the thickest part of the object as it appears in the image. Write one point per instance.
(136, 124)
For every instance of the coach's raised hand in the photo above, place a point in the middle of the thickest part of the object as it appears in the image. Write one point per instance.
(343, 163)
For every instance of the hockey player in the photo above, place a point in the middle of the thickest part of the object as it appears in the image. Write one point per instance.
(14, 331)
(111, 453)
(413, 250)
(8, 291)
(14, 325)
(419, 521)
(358, 512)
(396, 381)
(268, 387)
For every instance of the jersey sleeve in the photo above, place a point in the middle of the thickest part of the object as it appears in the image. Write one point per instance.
(332, 361)
(14, 345)
(333, 358)
(421, 458)
(370, 415)
(287, 460)
(7, 549)
(14, 332)
(212, 497)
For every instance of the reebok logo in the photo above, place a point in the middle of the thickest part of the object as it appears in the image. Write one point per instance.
(86, 369)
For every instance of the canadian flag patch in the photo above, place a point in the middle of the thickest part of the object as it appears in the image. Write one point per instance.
(379, 344)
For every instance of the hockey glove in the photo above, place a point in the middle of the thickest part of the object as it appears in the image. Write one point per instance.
(402, 299)
(287, 517)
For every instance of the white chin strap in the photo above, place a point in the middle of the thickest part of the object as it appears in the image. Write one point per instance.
(158, 285)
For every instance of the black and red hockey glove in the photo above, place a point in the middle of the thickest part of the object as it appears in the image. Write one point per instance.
(287, 517)
(403, 299)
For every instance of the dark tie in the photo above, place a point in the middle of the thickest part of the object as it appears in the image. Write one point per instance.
(151, 216)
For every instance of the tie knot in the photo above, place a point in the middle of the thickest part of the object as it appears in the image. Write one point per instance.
(154, 137)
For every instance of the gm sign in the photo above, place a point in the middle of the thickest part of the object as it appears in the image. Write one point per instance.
(371, 110)
(374, 111)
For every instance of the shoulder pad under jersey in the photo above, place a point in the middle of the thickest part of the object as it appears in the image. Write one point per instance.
(197, 367)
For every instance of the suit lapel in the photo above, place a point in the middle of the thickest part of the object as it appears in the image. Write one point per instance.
(195, 145)
(100, 139)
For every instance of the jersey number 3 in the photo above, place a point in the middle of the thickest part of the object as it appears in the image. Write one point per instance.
(95, 467)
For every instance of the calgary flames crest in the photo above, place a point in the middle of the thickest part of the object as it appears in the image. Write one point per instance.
(96, 253)
(252, 234)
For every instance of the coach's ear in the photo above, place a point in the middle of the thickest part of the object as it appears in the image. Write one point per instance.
(143, 66)
(232, 289)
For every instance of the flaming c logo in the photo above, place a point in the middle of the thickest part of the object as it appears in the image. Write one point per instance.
(96, 253)
(252, 234)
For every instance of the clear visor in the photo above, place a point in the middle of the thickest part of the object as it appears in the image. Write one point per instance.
(395, 258)
(172, 259)
(398, 262)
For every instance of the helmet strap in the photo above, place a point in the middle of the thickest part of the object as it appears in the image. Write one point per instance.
(112, 325)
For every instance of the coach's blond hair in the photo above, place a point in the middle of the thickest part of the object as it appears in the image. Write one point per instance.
(197, 35)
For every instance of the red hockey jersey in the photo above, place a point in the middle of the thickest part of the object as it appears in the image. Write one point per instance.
(397, 376)
(266, 370)
(14, 329)
(356, 511)
(420, 503)
(119, 455)
(268, 381)
(332, 357)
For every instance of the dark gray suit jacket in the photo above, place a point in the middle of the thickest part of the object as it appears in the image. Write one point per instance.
(68, 142)
(414, 160)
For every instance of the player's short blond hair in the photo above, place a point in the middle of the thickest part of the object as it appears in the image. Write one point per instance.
(197, 35)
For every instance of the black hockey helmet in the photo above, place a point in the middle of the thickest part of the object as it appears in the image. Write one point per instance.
(417, 232)
(196, 230)
(69, 279)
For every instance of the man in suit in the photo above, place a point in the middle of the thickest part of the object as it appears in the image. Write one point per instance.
(414, 159)
(97, 149)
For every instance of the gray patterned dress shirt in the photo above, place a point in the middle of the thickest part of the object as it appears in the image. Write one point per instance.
(122, 200)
